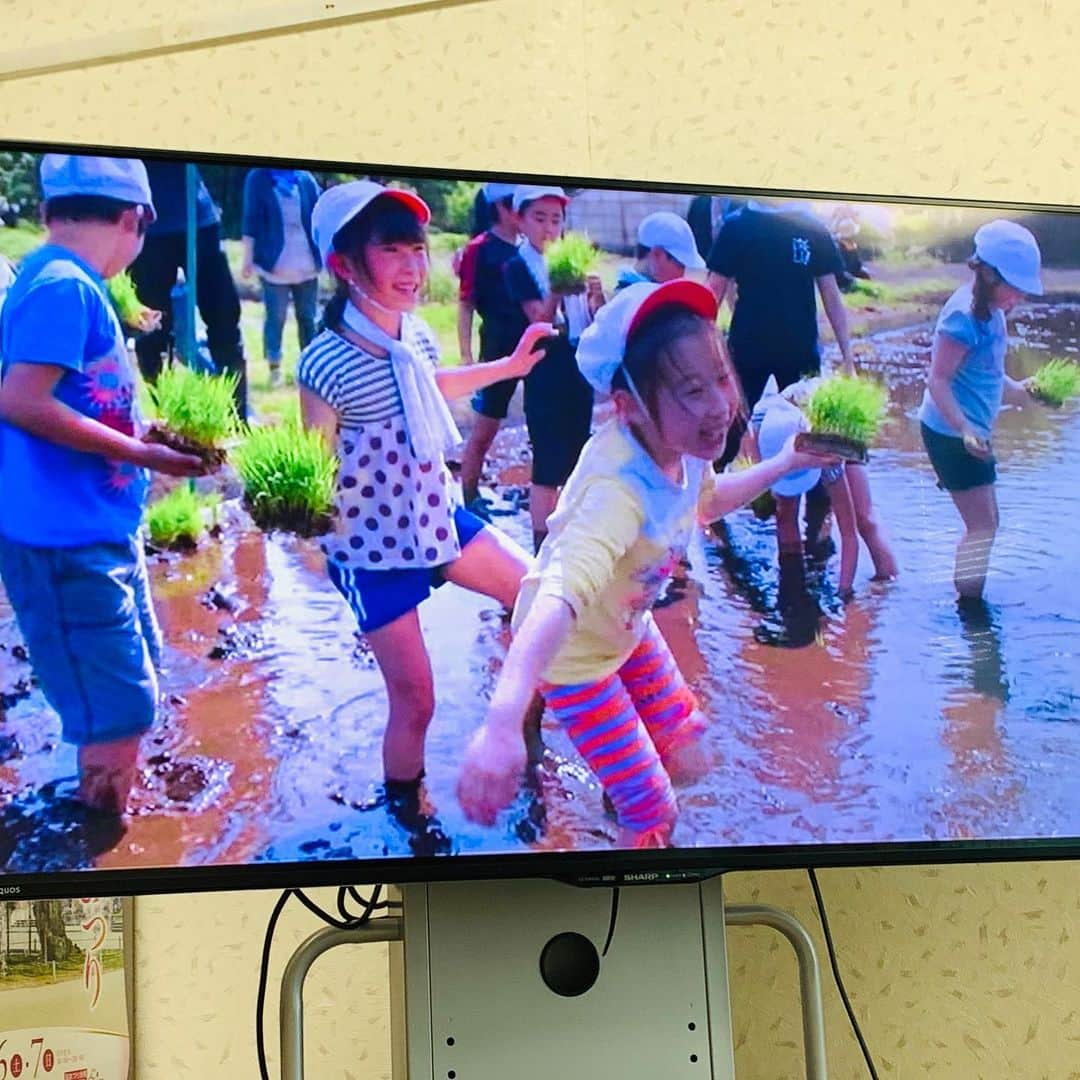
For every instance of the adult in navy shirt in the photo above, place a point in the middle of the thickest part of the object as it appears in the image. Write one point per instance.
(779, 259)
(165, 253)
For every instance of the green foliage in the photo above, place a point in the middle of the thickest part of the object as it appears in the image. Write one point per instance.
(458, 212)
(569, 259)
(848, 406)
(16, 242)
(873, 289)
(19, 182)
(446, 243)
(288, 477)
(126, 301)
(1056, 381)
(179, 519)
(199, 407)
(441, 287)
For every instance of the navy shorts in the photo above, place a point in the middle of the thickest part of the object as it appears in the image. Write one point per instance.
(558, 414)
(88, 621)
(956, 469)
(493, 401)
(378, 597)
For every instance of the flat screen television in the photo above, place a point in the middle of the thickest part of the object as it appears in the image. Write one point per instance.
(924, 708)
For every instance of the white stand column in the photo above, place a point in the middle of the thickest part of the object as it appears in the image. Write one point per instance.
(476, 1005)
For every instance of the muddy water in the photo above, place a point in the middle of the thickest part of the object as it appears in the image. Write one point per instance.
(903, 718)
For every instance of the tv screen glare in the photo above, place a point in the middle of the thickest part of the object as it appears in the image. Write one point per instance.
(758, 551)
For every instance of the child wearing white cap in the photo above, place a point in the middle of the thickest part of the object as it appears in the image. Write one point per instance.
(558, 401)
(584, 632)
(776, 417)
(968, 385)
(483, 291)
(370, 382)
(665, 251)
(75, 472)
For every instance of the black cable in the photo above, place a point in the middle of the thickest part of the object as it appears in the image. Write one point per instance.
(264, 974)
(348, 921)
(614, 917)
(836, 975)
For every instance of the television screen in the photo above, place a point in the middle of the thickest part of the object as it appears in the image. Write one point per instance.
(362, 523)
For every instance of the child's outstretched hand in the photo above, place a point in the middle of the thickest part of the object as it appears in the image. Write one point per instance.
(527, 355)
(147, 320)
(491, 773)
(164, 459)
(804, 459)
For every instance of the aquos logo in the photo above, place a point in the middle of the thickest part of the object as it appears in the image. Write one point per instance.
(10, 890)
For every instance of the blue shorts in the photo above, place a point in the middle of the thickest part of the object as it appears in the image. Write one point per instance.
(378, 597)
(87, 618)
(956, 469)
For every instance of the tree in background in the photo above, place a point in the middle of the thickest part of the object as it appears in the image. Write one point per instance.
(48, 918)
(18, 187)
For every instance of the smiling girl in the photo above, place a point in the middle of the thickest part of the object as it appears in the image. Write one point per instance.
(370, 382)
(584, 632)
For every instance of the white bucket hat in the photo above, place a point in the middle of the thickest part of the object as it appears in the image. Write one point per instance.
(526, 193)
(671, 233)
(1013, 252)
(337, 206)
(780, 421)
(123, 179)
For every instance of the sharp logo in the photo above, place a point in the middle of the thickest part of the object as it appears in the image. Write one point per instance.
(640, 877)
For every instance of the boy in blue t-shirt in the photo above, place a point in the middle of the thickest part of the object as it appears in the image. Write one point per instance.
(74, 472)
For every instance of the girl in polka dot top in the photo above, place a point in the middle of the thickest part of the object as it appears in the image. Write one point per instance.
(370, 382)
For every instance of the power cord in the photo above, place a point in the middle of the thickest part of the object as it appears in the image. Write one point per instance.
(614, 918)
(346, 920)
(836, 974)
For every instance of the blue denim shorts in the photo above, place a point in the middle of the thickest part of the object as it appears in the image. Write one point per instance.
(88, 621)
(378, 597)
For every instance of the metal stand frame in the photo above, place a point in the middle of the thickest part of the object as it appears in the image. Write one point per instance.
(392, 929)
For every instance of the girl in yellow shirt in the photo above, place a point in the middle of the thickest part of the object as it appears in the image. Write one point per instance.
(584, 633)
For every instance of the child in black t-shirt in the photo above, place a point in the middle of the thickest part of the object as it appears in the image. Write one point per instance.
(558, 400)
(483, 291)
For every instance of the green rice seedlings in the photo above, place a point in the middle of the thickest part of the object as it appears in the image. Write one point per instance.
(288, 475)
(179, 519)
(845, 412)
(1056, 381)
(196, 412)
(129, 307)
(570, 260)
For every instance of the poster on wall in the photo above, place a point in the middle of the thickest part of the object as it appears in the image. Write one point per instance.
(65, 1006)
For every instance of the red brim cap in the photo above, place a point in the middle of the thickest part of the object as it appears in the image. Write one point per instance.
(682, 292)
(412, 201)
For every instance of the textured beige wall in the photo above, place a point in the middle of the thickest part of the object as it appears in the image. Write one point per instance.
(955, 972)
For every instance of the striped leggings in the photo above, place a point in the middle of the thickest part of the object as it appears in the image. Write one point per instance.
(626, 724)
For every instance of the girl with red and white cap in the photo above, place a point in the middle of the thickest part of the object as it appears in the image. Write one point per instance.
(371, 383)
(584, 632)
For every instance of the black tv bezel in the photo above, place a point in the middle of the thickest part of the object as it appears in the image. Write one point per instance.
(615, 867)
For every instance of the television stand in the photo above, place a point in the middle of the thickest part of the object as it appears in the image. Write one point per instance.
(497, 979)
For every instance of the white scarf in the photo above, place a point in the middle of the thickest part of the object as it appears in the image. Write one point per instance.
(432, 430)
(534, 260)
